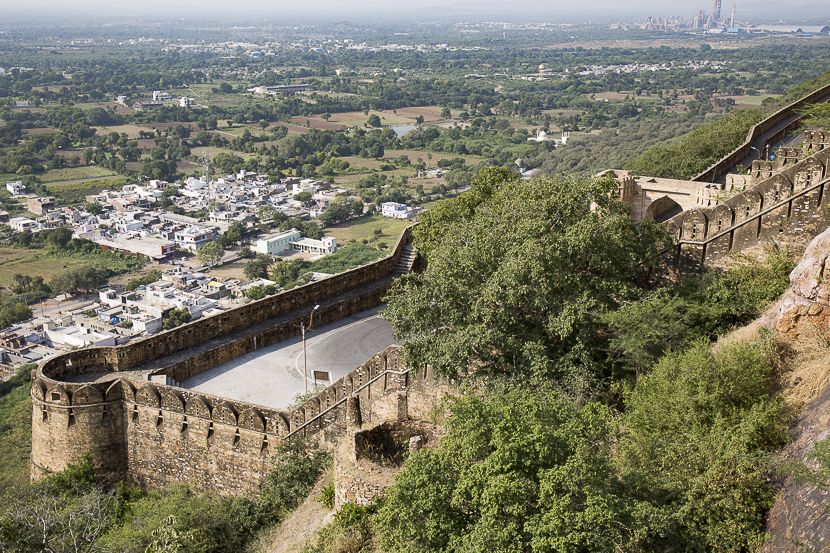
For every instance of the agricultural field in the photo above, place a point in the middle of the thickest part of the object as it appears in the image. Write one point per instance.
(32, 262)
(76, 173)
(364, 227)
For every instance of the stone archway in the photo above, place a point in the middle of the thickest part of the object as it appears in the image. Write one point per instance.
(662, 209)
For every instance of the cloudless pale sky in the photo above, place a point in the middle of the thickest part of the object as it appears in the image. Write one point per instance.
(626, 10)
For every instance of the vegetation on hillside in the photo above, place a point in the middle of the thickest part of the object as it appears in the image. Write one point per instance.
(72, 511)
(697, 150)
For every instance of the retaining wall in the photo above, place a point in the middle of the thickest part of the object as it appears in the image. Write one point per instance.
(788, 208)
(722, 166)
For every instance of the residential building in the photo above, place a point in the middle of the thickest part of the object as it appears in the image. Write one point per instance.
(22, 223)
(40, 206)
(276, 244)
(193, 238)
(139, 246)
(396, 210)
(327, 245)
(16, 188)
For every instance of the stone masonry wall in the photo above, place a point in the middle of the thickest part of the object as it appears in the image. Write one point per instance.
(789, 208)
(160, 434)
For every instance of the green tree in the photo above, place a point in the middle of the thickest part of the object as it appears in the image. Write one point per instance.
(517, 470)
(302, 196)
(258, 267)
(94, 208)
(176, 317)
(374, 120)
(817, 115)
(701, 431)
(60, 237)
(255, 293)
(517, 274)
(210, 253)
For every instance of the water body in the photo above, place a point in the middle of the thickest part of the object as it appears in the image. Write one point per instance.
(403, 129)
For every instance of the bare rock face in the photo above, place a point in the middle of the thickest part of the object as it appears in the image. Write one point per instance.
(798, 522)
(809, 295)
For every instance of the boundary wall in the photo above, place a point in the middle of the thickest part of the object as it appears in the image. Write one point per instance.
(138, 423)
(152, 348)
(790, 208)
(160, 434)
(722, 166)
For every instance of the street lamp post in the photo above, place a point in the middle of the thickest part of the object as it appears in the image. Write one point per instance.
(302, 328)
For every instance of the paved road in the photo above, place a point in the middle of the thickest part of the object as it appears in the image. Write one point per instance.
(759, 144)
(273, 376)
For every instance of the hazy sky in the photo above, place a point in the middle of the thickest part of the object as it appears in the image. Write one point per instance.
(595, 9)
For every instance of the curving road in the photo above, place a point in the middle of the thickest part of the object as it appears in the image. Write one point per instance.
(273, 376)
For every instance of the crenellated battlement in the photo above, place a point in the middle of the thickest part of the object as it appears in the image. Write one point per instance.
(789, 207)
(160, 434)
(123, 404)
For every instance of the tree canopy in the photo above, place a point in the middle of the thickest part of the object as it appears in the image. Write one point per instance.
(210, 253)
(518, 271)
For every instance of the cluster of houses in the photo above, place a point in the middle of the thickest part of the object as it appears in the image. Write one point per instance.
(132, 221)
(118, 315)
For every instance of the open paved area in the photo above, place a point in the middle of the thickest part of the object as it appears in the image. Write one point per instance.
(273, 376)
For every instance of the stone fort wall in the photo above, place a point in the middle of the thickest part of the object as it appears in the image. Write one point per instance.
(788, 208)
(722, 166)
(105, 401)
(159, 434)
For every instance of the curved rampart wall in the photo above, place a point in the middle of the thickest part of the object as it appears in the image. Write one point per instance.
(790, 208)
(128, 430)
(140, 352)
(722, 166)
(159, 434)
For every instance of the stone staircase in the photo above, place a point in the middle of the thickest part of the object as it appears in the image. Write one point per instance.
(405, 261)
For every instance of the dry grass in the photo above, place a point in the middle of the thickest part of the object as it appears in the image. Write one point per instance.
(301, 525)
(804, 364)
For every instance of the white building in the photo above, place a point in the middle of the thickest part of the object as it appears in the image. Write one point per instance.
(22, 223)
(275, 245)
(16, 188)
(77, 336)
(396, 210)
(327, 245)
(159, 96)
(193, 238)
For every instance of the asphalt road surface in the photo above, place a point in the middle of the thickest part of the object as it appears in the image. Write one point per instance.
(273, 376)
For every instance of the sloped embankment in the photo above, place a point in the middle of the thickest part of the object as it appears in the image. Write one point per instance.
(798, 521)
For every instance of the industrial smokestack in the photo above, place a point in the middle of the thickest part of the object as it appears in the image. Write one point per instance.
(732, 21)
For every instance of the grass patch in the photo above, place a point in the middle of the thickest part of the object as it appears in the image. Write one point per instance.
(44, 263)
(73, 193)
(364, 227)
(76, 173)
(15, 429)
(347, 258)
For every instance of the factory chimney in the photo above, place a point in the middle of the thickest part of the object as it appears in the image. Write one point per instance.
(732, 21)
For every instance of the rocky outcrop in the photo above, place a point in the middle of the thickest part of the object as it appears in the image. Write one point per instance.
(798, 521)
(809, 295)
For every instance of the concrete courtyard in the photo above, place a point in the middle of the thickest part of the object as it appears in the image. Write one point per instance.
(273, 376)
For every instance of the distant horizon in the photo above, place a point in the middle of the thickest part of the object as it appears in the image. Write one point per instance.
(373, 10)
